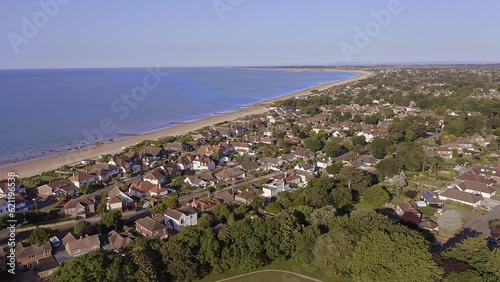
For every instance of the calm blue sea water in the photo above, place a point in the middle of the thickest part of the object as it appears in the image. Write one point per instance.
(50, 111)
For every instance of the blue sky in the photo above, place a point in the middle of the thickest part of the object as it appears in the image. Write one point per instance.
(136, 33)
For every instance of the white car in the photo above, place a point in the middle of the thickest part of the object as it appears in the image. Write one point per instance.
(55, 242)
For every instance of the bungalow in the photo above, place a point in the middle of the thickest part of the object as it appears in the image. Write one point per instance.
(28, 255)
(117, 200)
(304, 154)
(429, 225)
(230, 174)
(249, 166)
(364, 162)
(247, 197)
(176, 148)
(57, 188)
(194, 180)
(151, 228)
(477, 188)
(80, 207)
(205, 204)
(145, 188)
(243, 147)
(81, 178)
(178, 218)
(224, 197)
(172, 170)
(104, 172)
(445, 152)
(456, 195)
(78, 247)
(118, 241)
(268, 163)
(46, 267)
(305, 167)
(294, 180)
(268, 140)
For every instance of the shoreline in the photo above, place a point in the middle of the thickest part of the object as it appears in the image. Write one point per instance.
(36, 166)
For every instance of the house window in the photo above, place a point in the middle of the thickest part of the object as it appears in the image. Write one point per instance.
(77, 251)
(32, 257)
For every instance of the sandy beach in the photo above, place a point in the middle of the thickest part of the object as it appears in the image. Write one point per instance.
(37, 166)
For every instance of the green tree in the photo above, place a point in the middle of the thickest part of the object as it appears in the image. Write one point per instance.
(450, 220)
(40, 235)
(111, 219)
(376, 196)
(159, 208)
(171, 202)
(389, 167)
(80, 226)
(95, 266)
(379, 146)
(331, 149)
(313, 144)
(475, 252)
(359, 140)
(333, 168)
(333, 253)
(101, 208)
(356, 178)
(379, 257)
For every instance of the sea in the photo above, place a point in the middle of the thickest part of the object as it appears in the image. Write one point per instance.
(52, 111)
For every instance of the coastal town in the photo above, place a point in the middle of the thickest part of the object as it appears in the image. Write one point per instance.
(407, 147)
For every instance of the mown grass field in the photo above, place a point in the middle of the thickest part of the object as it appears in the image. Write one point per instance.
(271, 276)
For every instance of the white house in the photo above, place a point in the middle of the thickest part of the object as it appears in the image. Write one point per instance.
(81, 178)
(185, 216)
(368, 136)
(195, 181)
(203, 162)
(270, 191)
(324, 163)
(456, 195)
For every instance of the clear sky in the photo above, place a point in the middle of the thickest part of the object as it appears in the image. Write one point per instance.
(137, 33)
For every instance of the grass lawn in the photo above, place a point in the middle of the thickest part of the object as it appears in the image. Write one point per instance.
(288, 265)
(428, 211)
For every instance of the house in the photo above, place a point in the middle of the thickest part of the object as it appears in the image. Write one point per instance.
(364, 162)
(78, 247)
(118, 241)
(247, 197)
(224, 197)
(324, 163)
(242, 147)
(21, 205)
(57, 188)
(270, 190)
(249, 166)
(432, 199)
(305, 167)
(145, 188)
(5, 185)
(46, 267)
(194, 180)
(151, 228)
(404, 207)
(304, 154)
(477, 188)
(445, 152)
(205, 204)
(185, 162)
(104, 172)
(177, 147)
(172, 170)
(117, 200)
(80, 207)
(230, 174)
(456, 195)
(178, 218)
(150, 154)
(203, 162)
(429, 225)
(157, 176)
(81, 178)
(125, 163)
(268, 163)
(28, 255)
(294, 180)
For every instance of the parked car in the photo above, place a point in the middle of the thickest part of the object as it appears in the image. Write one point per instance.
(55, 242)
